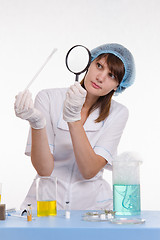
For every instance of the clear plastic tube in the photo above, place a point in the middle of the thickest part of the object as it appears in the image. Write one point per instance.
(41, 68)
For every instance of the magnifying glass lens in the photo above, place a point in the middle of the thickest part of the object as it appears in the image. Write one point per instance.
(78, 59)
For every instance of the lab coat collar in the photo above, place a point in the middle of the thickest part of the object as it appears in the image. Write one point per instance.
(89, 125)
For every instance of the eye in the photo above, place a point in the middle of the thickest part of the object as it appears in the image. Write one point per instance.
(99, 65)
(112, 76)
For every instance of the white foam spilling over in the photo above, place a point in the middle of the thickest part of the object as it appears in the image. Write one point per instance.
(126, 168)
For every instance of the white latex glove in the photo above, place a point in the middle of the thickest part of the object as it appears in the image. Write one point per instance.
(24, 109)
(73, 103)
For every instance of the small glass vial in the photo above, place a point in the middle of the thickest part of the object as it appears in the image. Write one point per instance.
(29, 212)
(67, 213)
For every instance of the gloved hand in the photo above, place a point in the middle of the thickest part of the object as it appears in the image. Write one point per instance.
(73, 103)
(24, 109)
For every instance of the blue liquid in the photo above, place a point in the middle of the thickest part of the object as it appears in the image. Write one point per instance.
(126, 199)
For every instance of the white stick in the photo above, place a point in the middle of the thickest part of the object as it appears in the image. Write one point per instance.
(41, 68)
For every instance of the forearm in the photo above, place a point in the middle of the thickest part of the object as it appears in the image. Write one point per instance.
(41, 156)
(88, 161)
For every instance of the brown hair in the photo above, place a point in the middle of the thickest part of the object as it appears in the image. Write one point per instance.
(116, 67)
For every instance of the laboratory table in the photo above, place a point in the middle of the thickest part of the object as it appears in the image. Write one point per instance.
(59, 227)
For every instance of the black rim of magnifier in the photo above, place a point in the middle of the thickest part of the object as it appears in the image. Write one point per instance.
(89, 61)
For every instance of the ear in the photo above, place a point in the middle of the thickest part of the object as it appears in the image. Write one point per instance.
(116, 87)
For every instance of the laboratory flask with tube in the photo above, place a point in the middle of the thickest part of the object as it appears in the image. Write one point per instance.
(46, 195)
(126, 185)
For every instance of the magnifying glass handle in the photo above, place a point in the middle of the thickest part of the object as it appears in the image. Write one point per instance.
(77, 76)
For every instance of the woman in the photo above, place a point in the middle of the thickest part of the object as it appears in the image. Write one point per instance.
(75, 132)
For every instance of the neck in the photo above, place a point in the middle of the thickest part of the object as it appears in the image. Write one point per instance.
(90, 100)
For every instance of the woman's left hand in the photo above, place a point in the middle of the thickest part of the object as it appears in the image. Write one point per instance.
(73, 103)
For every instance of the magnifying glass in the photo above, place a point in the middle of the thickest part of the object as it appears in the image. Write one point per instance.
(78, 60)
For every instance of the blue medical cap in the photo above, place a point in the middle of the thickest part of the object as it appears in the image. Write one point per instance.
(125, 56)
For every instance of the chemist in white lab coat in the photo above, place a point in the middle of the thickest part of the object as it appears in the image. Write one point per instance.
(75, 132)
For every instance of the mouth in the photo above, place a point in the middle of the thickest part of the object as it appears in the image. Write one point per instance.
(95, 85)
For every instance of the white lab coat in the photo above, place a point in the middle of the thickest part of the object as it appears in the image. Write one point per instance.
(104, 137)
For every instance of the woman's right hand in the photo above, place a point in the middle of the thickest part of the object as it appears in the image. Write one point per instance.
(75, 98)
(24, 109)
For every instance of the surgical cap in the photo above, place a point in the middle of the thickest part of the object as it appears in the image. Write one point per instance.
(125, 56)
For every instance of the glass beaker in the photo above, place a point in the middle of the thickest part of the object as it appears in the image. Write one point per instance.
(126, 187)
(0, 192)
(46, 194)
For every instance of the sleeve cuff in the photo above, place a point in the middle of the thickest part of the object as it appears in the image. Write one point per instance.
(105, 154)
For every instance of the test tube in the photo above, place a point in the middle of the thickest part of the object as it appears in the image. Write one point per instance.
(67, 213)
(29, 213)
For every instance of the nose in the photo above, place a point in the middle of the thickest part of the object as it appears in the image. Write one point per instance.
(101, 77)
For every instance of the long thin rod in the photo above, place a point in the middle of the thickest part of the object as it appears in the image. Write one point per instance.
(41, 68)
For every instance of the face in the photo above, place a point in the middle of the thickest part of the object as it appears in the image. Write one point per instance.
(99, 80)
